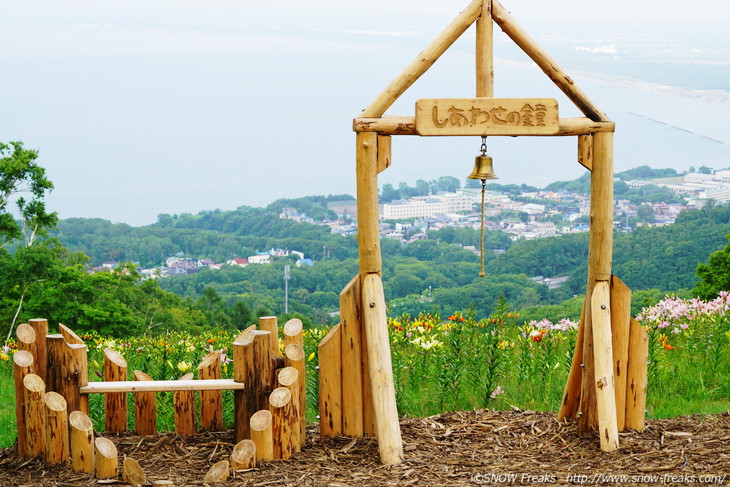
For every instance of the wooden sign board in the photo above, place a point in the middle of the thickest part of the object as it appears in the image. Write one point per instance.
(487, 116)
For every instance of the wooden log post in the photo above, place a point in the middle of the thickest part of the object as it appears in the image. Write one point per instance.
(145, 414)
(484, 51)
(67, 371)
(184, 404)
(282, 424)
(603, 359)
(571, 395)
(262, 435)
(243, 456)
(330, 384)
(351, 361)
(115, 403)
(387, 425)
(82, 442)
(600, 248)
(293, 332)
(620, 318)
(289, 378)
(69, 335)
(34, 391)
(385, 156)
(637, 376)
(271, 324)
(40, 326)
(56, 449)
(294, 357)
(265, 378)
(132, 472)
(218, 472)
(211, 402)
(244, 371)
(27, 339)
(368, 221)
(107, 460)
(22, 366)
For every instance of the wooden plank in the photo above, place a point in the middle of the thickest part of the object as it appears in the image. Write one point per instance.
(487, 116)
(548, 65)
(330, 383)
(637, 376)
(390, 444)
(484, 51)
(352, 388)
(368, 220)
(585, 151)
(163, 385)
(603, 359)
(620, 318)
(398, 125)
(424, 60)
(384, 152)
(572, 392)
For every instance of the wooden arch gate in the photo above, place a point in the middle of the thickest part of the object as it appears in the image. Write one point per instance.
(607, 381)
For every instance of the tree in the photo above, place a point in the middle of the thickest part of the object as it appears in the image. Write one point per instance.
(715, 275)
(645, 213)
(23, 181)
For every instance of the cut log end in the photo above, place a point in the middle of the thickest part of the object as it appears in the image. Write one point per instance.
(218, 472)
(115, 357)
(80, 421)
(23, 359)
(293, 327)
(243, 455)
(132, 472)
(294, 352)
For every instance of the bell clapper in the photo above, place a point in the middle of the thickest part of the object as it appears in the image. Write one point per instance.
(482, 170)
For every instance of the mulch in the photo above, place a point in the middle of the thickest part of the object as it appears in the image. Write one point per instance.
(479, 447)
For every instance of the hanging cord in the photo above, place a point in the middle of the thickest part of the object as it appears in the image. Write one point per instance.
(481, 235)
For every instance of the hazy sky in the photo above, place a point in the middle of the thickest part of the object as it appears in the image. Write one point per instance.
(147, 107)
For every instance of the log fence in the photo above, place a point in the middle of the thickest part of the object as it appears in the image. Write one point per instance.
(52, 415)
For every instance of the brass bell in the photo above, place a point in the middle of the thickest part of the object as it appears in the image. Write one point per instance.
(482, 167)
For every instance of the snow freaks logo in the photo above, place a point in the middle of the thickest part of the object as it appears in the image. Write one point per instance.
(595, 479)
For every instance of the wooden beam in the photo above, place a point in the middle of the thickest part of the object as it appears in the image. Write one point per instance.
(551, 68)
(375, 322)
(603, 359)
(405, 125)
(424, 60)
(368, 221)
(484, 51)
(162, 385)
(585, 151)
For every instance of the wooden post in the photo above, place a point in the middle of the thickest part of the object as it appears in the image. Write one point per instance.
(82, 442)
(330, 384)
(294, 357)
(600, 248)
(107, 460)
(548, 65)
(423, 61)
(34, 391)
(22, 366)
(637, 376)
(620, 318)
(243, 456)
(368, 411)
(280, 405)
(115, 403)
(26, 339)
(69, 335)
(381, 371)
(264, 366)
(368, 221)
(385, 153)
(67, 371)
(211, 402)
(132, 472)
(218, 472)
(184, 404)
(571, 395)
(289, 378)
(585, 151)
(262, 435)
(603, 359)
(244, 371)
(271, 324)
(293, 332)
(352, 387)
(40, 326)
(56, 428)
(145, 414)
(484, 51)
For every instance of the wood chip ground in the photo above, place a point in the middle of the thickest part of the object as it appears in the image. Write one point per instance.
(464, 448)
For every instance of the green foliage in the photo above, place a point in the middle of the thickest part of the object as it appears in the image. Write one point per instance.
(715, 274)
(423, 188)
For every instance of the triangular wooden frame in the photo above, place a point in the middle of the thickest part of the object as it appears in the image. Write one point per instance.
(590, 387)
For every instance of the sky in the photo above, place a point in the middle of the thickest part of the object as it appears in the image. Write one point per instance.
(140, 108)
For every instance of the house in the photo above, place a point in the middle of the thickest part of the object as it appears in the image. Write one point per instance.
(238, 261)
(260, 258)
(307, 262)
